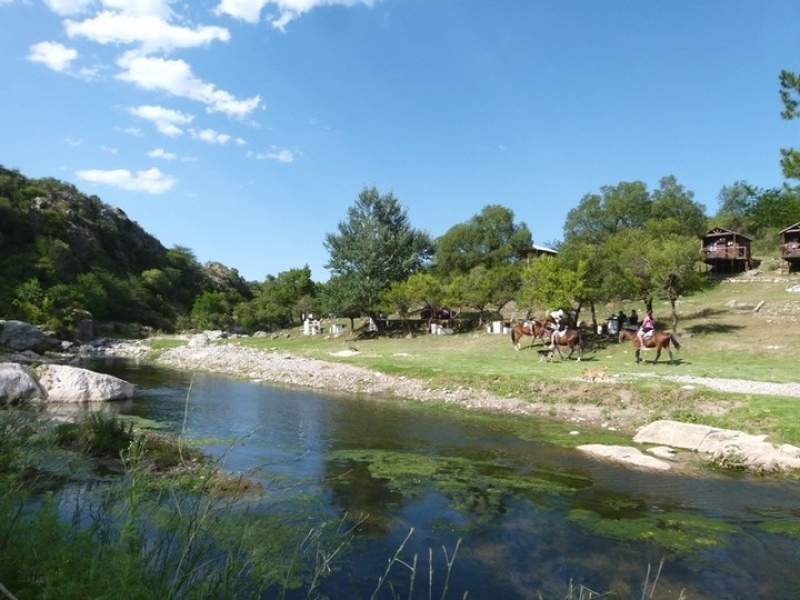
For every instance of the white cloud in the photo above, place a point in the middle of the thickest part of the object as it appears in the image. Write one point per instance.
(246, 10)
(53, 55)
(166, 120)
(213, 137)
(161, 153)
(152, 32)
(68, 7)
(176, 78)
(281, 155)
(285, 10)
(158, 8)
(151, 181)
(134, 131)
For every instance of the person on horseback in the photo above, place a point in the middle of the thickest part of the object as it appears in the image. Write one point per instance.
(648, 325)
(557, 324)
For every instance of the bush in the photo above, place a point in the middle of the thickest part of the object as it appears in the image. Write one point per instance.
(98, 435)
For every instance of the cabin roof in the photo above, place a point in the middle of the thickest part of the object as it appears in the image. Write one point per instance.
(720, 232)
(795, 227)
(544, 249)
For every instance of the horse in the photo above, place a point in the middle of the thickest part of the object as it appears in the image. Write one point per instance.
(659, 340)
(572, 339)
(534, 329)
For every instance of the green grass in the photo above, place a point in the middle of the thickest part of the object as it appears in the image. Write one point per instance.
(722, 335)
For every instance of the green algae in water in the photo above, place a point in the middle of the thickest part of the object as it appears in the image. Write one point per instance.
(788, 528)
(477, 487)
(678, 532)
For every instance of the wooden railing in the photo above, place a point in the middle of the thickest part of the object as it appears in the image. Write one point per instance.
(725, 253)
(790, 250)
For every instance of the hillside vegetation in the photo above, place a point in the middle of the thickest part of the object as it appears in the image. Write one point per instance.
(63, 253)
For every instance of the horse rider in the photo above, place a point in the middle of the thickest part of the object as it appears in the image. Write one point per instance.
(558, 318)
(648, 325)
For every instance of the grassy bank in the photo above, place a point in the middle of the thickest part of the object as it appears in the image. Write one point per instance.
(737, 328)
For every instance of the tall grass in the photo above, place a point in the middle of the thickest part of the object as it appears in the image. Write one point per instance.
(139, 536)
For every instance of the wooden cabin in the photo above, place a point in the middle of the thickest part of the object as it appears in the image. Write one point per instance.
(790, 248)
(726, 250)
(542, 251)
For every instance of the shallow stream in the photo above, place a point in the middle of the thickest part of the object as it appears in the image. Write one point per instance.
(532, 516)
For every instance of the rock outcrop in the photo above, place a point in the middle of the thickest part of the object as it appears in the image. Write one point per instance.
(726, 447)
(627, 455)
(18, 384)
(72, 384)
(21, 336)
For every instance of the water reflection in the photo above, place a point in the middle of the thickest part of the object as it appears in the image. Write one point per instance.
(532, 516)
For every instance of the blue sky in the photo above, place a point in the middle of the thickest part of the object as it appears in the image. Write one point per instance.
(244, 129)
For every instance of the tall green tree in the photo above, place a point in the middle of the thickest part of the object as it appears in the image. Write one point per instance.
(623, 206)
(674, 210)
(790, 96)
(547, 283)
(375, 246)
(489, 239)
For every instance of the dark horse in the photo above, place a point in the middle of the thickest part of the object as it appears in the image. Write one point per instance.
(658, 340)
(534, 329)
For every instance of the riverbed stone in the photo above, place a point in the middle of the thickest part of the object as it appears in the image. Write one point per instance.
(20, 336)
(64, 383)
(18, 384)
(688, 436)
(627, 455)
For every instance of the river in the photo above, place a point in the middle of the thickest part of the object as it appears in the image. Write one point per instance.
(532, 516)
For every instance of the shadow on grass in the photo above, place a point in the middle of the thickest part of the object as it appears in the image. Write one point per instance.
(705, 313)
(706, 328)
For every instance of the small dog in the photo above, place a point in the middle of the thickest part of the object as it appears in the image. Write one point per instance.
(546, 353)
(594, 374)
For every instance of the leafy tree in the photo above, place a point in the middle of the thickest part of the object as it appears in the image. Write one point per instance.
(674, 210)
(598, 216)
(484, 288)
(735, 203)
(375, 246)
(790, 96)
(548, 284)
(404, 296)
(673, 270)
(490, 238)
(215, 310)
(338, 297)
(292, 286)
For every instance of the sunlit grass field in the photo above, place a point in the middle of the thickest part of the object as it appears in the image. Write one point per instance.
(737, 328)
(720, 331)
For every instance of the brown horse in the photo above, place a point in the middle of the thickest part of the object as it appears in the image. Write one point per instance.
(659, 340)
(534, 329)
(572, 339)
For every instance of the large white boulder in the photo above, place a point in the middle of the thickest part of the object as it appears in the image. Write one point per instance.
(18, 384)
(626, 455)
(72, 384)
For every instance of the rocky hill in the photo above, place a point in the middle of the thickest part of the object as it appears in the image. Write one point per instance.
(62, 251)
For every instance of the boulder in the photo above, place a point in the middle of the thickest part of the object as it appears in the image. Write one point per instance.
(626, 455)
(21, 336)
(63, 383)
(724, 446)
(18, 384)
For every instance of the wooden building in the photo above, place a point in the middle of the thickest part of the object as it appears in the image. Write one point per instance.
(790, 248)
(726, 250)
